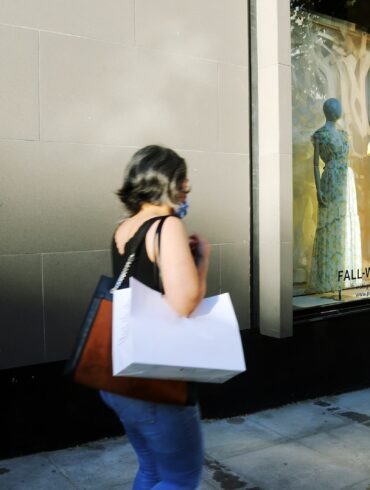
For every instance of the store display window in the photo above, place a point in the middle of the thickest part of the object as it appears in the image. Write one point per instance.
(331, 153)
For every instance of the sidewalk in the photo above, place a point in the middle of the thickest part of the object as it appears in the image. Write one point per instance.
(320, 444)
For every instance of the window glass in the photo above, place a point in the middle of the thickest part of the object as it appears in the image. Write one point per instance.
(331, 155)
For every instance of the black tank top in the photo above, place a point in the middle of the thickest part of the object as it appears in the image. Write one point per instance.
(142, 269)
(147, 272)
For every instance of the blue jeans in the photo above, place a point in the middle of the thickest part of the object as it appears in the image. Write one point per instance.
(167, 440)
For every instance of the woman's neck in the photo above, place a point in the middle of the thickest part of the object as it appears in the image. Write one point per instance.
(149, 210)
(330, 124)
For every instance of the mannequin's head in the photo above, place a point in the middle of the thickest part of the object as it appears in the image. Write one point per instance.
(332, 109)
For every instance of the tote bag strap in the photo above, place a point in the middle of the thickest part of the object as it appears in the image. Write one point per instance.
(134, 246)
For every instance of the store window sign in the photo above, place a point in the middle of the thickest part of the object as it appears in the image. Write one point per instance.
(331, 159)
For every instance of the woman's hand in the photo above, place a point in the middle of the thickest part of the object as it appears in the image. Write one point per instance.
(200, 248)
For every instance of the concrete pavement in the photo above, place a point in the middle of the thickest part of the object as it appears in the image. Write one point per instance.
(319, 444)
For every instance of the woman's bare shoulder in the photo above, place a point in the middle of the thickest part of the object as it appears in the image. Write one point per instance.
(173, 226)
(171, 229)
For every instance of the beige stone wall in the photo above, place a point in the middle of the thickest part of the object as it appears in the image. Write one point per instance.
(83, 84)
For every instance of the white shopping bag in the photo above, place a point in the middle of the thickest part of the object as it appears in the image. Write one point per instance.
(150, 340)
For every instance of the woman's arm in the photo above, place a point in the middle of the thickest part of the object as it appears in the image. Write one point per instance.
(184, 281)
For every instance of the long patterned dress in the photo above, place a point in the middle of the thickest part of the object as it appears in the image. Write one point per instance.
(337, 245)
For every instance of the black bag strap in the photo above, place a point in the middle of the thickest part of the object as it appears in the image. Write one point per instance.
(135, 243)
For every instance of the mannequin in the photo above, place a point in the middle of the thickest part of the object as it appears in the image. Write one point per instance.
(336, 258)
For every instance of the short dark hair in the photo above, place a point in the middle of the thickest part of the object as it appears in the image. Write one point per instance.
(154, 175)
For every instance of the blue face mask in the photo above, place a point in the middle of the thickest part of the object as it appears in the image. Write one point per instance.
(182, 210)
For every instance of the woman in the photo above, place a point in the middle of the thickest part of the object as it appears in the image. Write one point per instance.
(167, 438)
